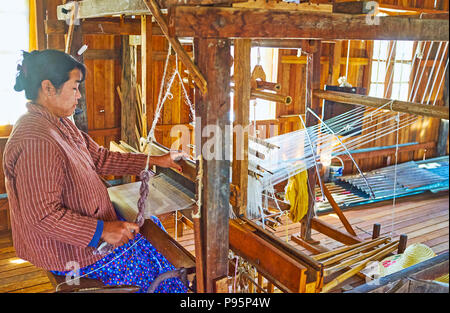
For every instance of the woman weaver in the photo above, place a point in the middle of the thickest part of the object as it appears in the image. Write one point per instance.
(60, 208)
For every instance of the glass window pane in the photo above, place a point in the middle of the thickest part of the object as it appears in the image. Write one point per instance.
(16, 6)
(18, 38)
(402, 72)
(8, 63)
(395, 91)
(400, 91)
(13, 106)
(380, 48)
(404, 91)
(376, 90)
(404, 50)
(378, 71)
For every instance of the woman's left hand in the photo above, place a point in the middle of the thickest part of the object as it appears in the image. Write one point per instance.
(171, 159)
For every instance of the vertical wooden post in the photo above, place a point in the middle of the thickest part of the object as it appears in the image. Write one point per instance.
(441, 148)
(241, 105)
(334, 69)
(402, 243)
(128, 88)
(41, 40)
(313, 82)
(376, 231)
(147, 70)
(80, 119)
(212, 110)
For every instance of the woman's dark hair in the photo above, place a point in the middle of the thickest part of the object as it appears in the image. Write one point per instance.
(37, 66)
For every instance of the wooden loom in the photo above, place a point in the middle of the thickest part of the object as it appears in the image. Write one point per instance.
(214, 227)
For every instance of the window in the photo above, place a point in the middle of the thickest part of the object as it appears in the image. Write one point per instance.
(402, 70)
(268, 58)
(391, 69)
(14, 28)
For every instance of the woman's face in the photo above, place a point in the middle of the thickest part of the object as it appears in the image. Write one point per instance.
(63, 102)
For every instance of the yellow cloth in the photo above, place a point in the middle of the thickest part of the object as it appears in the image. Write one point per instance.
(297, 194)
(32, 23)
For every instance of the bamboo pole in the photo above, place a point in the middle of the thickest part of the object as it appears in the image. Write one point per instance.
(271, 96)
(387, 104)
(351, 261)
(194, 71)
(354, 251)
(71, 29)
(260, 84)
(340, 250)
(341, 278)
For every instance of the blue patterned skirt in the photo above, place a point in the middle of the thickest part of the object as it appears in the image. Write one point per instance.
(136, 263)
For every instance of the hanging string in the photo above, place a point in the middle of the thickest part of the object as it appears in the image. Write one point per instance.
(440, 84)
(431, 72)
(423, 70)
(437, 73)
(395, 178)
(416, 57)
(348, 60)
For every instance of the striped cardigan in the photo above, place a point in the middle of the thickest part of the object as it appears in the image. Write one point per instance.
(55, 195)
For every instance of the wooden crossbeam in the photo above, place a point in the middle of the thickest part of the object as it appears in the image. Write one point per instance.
(99, 8)
(286, 272)
(393, 105)
(246, 23)
(103, 26)
(338, 211)
(333, 232)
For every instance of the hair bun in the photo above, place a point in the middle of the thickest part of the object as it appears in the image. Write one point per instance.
(20, 82)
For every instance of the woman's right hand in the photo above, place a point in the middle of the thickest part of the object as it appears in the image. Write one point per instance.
(119, 233)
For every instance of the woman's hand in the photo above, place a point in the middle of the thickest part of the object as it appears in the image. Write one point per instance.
(171, 159)
(119, 233)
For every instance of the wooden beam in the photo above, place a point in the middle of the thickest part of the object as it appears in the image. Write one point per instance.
(314, 248)
(146, 72)
(76, 43)
(333, 232)
(267, 258)
(212, 110)
(103, 26)
(338, 211)
(173, 251)
(40, 19)
(393, 105)
(313, 82)
(99, 8)
(241, 105)
(443, 125)
(128, 89)
(216, 22)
